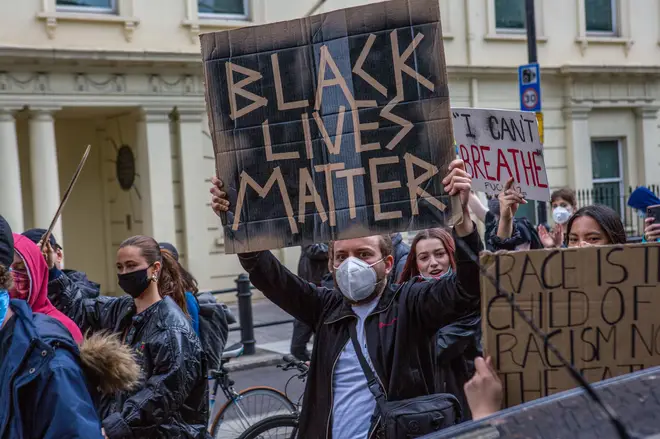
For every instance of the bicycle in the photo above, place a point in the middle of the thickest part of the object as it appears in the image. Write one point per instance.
(245, 408)
(284, 426)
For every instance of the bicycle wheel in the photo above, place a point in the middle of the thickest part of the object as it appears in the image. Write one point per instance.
(253, 405)
(275, 427)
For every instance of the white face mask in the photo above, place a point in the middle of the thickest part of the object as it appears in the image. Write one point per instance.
(356, 279)
(561, 215)
(641, 214)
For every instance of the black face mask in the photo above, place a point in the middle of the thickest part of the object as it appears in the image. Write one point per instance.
(135, 282)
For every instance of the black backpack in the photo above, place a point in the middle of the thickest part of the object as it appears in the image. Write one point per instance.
(213, 327)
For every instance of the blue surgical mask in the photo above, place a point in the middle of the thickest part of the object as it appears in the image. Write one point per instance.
(4, 305)
(442, 276)
(641, 214)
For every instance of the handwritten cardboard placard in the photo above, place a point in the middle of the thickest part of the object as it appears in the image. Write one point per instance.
(499, 144)
(598, 304)
(332, 126)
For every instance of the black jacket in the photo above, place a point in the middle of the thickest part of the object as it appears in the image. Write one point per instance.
(313, 263)
(458, 344)
(171, 400)
(400, 331)
(88, 289)
(400, 252)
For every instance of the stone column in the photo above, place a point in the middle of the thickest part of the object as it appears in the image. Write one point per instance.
(195, 193)
(578, 147)
(155, 169)
(11, 195)
(44, 169)
(648, 141)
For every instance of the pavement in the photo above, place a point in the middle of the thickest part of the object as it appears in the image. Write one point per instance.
(272, 342)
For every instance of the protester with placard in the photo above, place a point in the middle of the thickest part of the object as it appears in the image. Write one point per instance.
(432, 256)
(172, 396)
(394, 329)
(595, 225)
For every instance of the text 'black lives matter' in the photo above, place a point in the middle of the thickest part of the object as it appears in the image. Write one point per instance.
(332, 126)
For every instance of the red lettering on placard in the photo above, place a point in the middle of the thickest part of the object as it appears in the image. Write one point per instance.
(502, 163)
(483, 149)
(476, 160)
(513, 152)
(528, 167)
(537, 168)
(465, 156)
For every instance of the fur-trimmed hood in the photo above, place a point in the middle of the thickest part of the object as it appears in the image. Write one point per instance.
(108, 363)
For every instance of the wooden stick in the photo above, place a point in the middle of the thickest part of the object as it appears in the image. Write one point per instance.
(46, 237)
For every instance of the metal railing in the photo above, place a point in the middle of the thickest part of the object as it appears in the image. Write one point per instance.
(243, 292)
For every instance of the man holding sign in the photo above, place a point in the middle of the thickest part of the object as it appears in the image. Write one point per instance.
(395, 328)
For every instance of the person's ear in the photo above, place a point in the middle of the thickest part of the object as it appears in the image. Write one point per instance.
(59, 254)
(389, 264)
(155, 270)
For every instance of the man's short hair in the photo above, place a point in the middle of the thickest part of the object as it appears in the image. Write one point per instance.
(565, 193)
(385, 245)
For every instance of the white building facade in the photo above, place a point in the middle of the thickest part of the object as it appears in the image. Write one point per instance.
(125, 76)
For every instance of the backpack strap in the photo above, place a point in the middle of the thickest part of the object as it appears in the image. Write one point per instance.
(372, 380)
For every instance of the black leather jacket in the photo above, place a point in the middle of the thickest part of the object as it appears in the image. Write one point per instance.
(171, 400)
(401, 330)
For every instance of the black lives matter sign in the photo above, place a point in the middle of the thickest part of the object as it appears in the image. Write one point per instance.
(332, 126)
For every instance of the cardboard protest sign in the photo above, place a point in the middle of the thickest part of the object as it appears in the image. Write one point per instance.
(598, 305)
(331, 126)
(499, 144)
(635, 398)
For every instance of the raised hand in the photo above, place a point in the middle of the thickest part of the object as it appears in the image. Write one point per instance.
(219, 201)
(510, 200)
(458, 182)
(553, 239)
(651, 231)
(484, 390)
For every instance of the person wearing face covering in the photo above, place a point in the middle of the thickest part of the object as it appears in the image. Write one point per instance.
(431, 258)
(48, 381)
(171, 398)
(564, 205)
(31, 283)
(395, 328)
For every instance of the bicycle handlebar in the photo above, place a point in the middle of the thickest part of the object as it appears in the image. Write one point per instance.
(293, 363)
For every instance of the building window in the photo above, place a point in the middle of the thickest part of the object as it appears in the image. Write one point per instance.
(600, 16)
(510, 15)
(607, 165)
(106, 6)
(223, 8)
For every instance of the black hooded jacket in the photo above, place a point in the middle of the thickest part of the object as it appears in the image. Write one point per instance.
(171, 400)
(400, 331)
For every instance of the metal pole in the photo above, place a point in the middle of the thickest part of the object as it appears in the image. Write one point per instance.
(532, 57)
(531, 31)
(245, 313)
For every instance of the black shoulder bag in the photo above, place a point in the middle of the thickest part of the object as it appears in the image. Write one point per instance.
(408, 418)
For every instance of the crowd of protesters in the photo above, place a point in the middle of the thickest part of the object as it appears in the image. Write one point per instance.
(390, 322)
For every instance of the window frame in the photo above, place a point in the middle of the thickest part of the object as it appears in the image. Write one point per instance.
(509, 30)
(615, 32)
(620, 179)
(226, 16)
(113, 9)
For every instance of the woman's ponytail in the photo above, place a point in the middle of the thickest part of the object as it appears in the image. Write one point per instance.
(171, 282)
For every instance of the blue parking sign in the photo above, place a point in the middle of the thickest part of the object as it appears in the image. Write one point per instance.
(529, 82)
